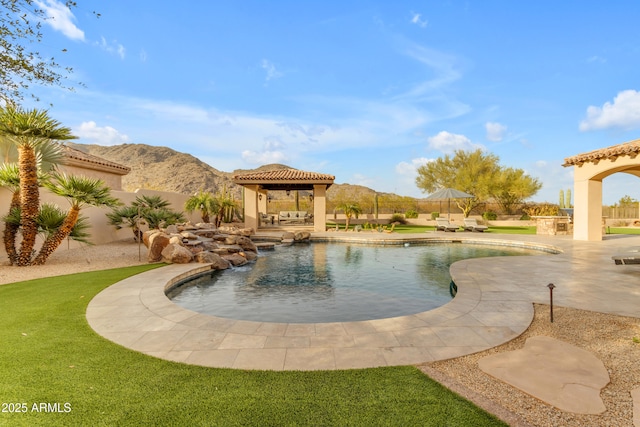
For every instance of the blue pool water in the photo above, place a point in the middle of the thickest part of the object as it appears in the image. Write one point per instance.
(337, 282)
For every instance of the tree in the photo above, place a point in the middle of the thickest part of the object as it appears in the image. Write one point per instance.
(512, 187)
(10, 179)
(79, 191)
(350, 210)
(480, 174)
(30, 131)
(470, 171)
(21, 63)
(151, 210)
(205, 203)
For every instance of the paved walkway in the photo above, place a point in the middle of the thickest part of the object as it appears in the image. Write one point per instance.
(493, 306)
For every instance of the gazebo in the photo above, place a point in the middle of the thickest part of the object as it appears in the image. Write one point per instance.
(589, 171)
(257, 185)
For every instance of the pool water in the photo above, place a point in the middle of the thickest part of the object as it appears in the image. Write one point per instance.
(336, 282)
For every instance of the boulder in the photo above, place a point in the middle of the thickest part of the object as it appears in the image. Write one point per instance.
(175, 240)
(147, 235)
(157, 243)
(250, 256)
(302, 236)
(177, 254)
(235, 259)
(209, 246)
(171, 229)
(246, 244)
(188, 235)
(216, 261)
(231, 229)
(287, 235)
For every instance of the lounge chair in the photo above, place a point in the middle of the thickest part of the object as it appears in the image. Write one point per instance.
(632, 256)
(471, 224)
(443, 224)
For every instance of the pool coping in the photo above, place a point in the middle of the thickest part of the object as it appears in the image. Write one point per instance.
(137, 314)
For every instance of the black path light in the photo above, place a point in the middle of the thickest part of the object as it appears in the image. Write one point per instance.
(551, 286)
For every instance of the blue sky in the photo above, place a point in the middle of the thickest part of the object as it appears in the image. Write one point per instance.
(364, 90)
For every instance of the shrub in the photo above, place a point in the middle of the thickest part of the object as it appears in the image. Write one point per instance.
(396, 217)
(435, 215)
(490, 215)
(411, 213)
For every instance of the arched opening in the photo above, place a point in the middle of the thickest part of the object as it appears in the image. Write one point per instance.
(589, 171)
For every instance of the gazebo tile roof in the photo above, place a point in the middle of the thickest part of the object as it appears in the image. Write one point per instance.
(283, 175)
(631, 149)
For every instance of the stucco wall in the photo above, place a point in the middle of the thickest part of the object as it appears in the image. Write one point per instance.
(101, 231)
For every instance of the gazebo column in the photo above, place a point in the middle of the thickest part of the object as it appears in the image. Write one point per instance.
(588, 209)
(320, 208)
(251, 218)
(262, 201)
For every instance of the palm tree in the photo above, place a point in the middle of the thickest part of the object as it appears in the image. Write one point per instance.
(350, 210)
(28, 131)
(79, 191)
(205, 203)
(10, 179)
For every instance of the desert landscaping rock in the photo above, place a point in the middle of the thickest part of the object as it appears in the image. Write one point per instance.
(176, 254)
(157, 243)
(558, 373)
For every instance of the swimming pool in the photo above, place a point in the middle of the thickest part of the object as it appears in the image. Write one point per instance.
(333, 282)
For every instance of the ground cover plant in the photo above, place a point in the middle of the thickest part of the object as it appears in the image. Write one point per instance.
(51, 356)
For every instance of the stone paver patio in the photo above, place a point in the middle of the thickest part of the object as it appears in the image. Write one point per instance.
(493, 306)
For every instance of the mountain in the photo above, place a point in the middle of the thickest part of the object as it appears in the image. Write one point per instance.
(164, 169)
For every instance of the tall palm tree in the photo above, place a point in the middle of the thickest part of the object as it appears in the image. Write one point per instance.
(79, 191)
(29, 130)
(10, 179)
(205, 203)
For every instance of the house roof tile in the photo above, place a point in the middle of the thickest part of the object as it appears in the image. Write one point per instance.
(631, 149)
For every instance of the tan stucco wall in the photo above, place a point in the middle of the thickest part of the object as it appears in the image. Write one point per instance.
(113, 181)
(587, 182)
(101, 231)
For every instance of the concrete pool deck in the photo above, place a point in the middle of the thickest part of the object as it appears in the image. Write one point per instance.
(494, 305)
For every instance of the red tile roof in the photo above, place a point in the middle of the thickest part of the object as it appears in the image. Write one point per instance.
(80, 158)
(631, 149)
(284, 176)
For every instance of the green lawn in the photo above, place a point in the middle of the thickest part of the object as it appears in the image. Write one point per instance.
(623, 230)
(50, 355)
(492, 229)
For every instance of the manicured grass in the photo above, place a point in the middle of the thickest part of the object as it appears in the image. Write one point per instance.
(623, 230)
(492, 229)
(49, 354)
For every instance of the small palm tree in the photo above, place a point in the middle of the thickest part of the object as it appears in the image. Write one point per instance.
(126, 216)
(79, 191)
(205, 203)
(28, 130)
(350, 210)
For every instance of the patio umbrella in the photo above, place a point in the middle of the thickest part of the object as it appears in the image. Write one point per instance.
(448, 194)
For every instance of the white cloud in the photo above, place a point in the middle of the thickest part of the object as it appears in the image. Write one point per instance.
(60, 18)
(411, 169)
(449, 142)
(101, 135)
(264, 157)
(416, 18)
(113, 48)
(270, 68)
(623, 113)
(495, 131)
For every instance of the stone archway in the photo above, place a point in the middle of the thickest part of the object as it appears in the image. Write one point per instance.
(258, 184)
(589, 171)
